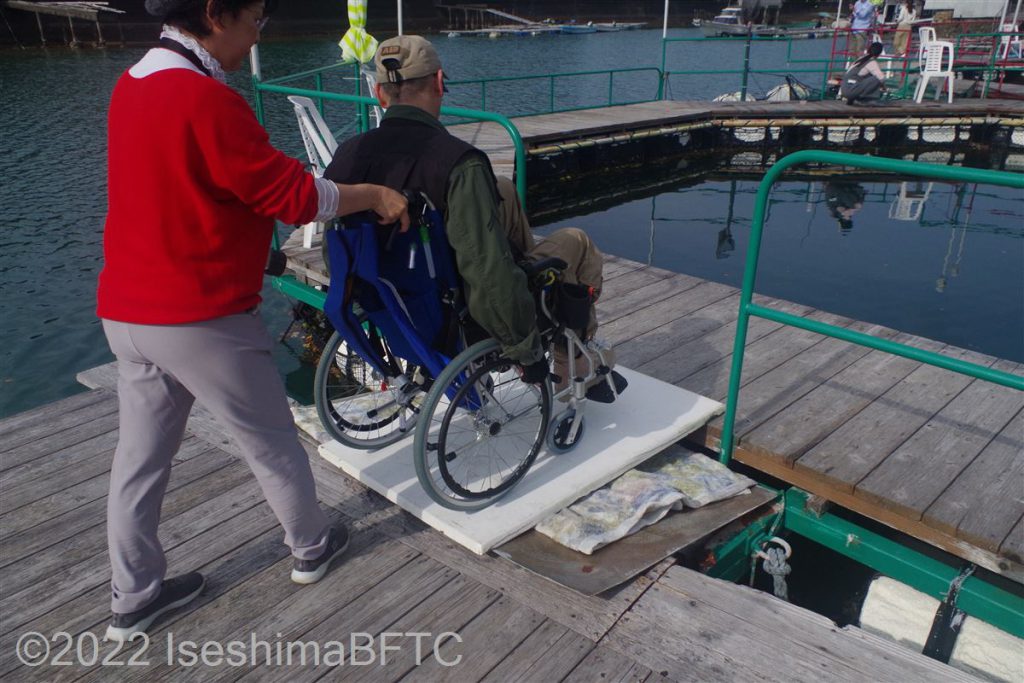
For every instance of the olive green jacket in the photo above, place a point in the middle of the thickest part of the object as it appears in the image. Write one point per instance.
(494, 285)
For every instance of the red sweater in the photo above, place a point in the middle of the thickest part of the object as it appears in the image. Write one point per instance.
(194, 187)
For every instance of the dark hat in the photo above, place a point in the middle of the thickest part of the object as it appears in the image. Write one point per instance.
(404, 58)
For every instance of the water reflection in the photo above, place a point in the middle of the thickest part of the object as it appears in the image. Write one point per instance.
(844, 199)
(909, 263)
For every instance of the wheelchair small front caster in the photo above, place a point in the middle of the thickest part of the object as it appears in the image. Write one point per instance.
(558, 440)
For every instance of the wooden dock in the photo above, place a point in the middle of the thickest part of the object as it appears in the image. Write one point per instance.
(928, 452)
(547, 134)
(670, 624)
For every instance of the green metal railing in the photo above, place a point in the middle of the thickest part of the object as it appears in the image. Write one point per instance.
(976, 597)
(748, 308)
(551, 78)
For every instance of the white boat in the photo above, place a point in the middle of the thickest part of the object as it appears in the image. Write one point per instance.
(738, 20)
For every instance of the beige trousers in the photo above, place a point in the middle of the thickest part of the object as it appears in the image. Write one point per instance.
(572, 245)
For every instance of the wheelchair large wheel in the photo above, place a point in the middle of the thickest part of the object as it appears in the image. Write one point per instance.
(480, 430)
(357, 406)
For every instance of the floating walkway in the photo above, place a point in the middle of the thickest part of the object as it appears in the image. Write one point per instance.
(552, 140)
(928, 452)
(670, 624)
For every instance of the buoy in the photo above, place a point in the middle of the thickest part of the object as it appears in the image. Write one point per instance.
(905, 615)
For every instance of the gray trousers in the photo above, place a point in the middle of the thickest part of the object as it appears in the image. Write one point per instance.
(226, 364)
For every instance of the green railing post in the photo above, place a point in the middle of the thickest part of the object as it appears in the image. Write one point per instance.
(747, 308)
(319, 81)
(483, 96)
(257, 96)
(746, 65)
(551, 93)
(611, 83)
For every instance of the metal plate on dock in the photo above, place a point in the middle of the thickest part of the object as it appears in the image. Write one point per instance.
(622, 560)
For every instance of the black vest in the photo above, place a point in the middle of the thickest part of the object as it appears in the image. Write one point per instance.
(404, 155)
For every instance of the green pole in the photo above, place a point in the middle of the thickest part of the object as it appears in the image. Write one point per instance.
(319, 79)
(611, 83)
(746, 65)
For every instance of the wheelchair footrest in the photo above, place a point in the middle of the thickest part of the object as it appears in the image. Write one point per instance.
(602, 393)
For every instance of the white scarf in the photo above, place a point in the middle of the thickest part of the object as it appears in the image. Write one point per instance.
(208, 60)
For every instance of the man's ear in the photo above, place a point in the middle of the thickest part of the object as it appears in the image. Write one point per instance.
(439, 82)
(381, 96)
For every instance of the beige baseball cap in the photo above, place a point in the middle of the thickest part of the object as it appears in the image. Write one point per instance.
(404, 58)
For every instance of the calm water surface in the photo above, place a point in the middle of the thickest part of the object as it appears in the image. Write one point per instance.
(954, 274)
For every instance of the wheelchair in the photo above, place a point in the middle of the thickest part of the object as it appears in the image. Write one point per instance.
(407, 360)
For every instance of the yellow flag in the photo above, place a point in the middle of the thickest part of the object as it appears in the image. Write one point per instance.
(357, 44)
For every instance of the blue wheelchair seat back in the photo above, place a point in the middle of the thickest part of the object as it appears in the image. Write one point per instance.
(403, 284)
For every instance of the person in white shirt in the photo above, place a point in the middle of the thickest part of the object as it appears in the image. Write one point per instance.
(904, 25)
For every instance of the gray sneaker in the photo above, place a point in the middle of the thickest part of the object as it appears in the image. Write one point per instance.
(174, 593)
(311, 571)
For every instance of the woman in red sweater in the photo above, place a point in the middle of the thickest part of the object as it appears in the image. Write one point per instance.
(194, 191)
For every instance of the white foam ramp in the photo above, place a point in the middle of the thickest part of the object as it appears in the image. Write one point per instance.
(648, 417)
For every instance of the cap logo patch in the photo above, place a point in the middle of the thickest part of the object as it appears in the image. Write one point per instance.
(390, 50)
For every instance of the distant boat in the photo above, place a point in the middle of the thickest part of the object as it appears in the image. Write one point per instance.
(603, 28)
(578, 28)
(728, 23)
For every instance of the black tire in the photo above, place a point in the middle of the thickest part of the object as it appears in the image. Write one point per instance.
(358, 407)
(493, 418)
(558, 434)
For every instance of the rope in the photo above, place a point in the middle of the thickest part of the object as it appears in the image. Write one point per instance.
(775, 565)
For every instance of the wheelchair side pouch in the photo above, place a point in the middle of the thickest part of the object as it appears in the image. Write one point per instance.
(572, 303)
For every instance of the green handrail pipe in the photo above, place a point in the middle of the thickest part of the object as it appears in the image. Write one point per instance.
(365, 102)
(748, 309)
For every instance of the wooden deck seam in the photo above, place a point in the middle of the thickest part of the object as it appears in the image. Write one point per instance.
(856, 487)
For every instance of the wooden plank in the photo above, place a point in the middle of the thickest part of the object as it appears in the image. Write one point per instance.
(550, 653)
(49, 593)
(254, 543)
(852, 451)
(774, 391)
(983, 504)
(715, 329)
(695, 627)
(760, 357)
(636, 298)
(608, 666)
(47, 414)
(449, 610)
(1013, 547)
(268, 598)
(665, 317)
(312, 618)
(805, 422)
(816, 484)
(485, 642)
(588, 616)
(615, 266)
(23, 570)
(64, 504)
(917, 472)
(46, 476)
(31, 444)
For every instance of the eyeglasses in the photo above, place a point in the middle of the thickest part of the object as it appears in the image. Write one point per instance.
(261, 22)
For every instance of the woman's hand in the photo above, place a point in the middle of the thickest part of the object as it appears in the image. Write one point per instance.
(392, 207)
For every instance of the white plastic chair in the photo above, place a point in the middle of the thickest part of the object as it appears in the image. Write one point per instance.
(909, 204)
(320, 147)
(1009, 42)
(937, 62)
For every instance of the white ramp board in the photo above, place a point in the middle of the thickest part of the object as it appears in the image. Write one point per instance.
(647, 418)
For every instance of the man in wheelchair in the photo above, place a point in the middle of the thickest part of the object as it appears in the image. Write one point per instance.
(483, 218)
(444, 331)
